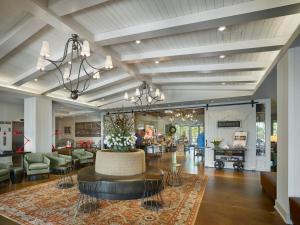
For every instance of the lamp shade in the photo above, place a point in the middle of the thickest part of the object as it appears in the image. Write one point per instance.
(85, 51)
(157, 92)
(66, 73)
(108, 62)
(96, 75)
(137, 92)
(45, 50)
(40, 63)
(126, 96)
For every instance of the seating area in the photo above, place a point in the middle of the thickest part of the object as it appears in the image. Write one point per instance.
(4, 172)
(44, 164)
(149, 112)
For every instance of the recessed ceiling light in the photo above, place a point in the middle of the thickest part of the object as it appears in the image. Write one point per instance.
(222, 56)
(36, 80)
(223, 83)
(221, 28)
(156, 61)
(138, 41)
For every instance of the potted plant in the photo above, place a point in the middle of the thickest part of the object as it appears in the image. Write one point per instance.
(216, 142)
(121, 158)
(120, 136)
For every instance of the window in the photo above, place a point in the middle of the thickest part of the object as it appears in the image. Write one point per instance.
(190, 132)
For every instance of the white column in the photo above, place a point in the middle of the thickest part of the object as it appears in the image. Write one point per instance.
(53, 127)
(102, 130)
(288, 111)
(38, 124)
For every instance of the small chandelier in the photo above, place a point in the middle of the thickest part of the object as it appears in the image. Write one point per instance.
(145, 97)
(80, 50)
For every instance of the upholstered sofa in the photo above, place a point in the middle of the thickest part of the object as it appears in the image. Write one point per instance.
(57, 160)
(83, 156)
(4, 172)
(36, 163)
(295, 210)
(268, 182)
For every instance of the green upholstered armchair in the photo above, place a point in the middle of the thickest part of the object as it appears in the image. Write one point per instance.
(36, 163)
(57, 160)
(4, 172)
(83, 156)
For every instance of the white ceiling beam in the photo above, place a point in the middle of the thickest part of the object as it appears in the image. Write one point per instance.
(108, 82)
(205, 79)
(116, 98)
(19, 34)
(35, 73)
(65, 7)
(210, 50)
(236, 14)
(70, 26)
(291, 40)
(115, 90)
(41, 11)
(32, 24)
(205, 68)
(235, 87)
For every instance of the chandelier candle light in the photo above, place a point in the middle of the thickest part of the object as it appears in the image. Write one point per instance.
(78, 49)
(145, 97)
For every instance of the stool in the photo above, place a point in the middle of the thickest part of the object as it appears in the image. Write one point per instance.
(152, 198)
(16, 174)
(87, 202)
(65, 179)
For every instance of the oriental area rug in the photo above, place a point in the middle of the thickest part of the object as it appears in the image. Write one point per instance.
(45, 204)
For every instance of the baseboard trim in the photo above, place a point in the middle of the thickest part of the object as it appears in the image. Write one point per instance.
(284, 215)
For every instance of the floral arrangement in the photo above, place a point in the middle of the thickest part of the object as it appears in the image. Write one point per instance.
(216, 142)
(120, 136)
(120, 142)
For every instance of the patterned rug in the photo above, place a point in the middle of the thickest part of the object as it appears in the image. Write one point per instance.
(45, 204)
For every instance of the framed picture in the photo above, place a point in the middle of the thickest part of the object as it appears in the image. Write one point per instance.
(88, 129)
(67, 130)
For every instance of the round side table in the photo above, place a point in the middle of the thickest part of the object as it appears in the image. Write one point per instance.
(65, 179)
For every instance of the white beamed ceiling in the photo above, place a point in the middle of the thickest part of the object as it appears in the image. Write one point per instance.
(181, 34)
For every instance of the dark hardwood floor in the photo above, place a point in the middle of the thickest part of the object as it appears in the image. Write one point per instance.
(231, 198)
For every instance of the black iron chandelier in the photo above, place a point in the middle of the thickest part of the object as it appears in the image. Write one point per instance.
(75, 50)
(145, 97)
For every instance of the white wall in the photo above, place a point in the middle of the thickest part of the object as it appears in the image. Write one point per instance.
(247, 115)
(10, 112)
(70, 122)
